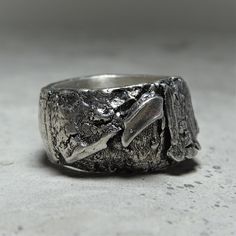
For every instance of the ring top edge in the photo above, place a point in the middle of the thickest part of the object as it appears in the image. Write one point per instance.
(106, 81)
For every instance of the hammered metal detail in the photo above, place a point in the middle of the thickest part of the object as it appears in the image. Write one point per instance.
(143, 127)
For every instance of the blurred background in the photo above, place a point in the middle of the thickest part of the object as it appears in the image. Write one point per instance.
(51, 40)
(44, 41)
(119, 17)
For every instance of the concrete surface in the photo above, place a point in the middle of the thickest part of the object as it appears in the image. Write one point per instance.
(196, 198)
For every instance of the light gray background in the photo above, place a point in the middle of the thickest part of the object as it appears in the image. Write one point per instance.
(45, 41)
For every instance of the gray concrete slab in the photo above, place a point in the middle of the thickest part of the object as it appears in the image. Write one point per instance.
(197, 198)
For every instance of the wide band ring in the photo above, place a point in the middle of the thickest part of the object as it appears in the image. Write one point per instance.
(109, 123)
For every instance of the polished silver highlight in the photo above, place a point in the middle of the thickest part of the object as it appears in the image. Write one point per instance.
(109, 123)
(145, 113)
(82, 151)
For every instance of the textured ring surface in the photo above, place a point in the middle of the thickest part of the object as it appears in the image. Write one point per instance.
(109, 123)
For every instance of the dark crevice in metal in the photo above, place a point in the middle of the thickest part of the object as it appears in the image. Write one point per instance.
(167, 141)
(167, 135)
(70, 137)
(124, 107)
(101, 122)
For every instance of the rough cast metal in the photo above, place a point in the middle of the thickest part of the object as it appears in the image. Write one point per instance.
(109, 123)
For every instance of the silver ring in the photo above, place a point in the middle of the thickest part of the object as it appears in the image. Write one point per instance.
(111, 123)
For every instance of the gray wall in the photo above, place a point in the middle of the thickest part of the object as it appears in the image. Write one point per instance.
(119, 15)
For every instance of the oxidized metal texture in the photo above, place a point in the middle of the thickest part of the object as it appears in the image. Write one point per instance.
(142, 127)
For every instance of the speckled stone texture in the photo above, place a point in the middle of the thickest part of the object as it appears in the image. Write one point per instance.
(198, 198)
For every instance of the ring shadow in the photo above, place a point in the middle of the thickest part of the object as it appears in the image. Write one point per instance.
(185, 167)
